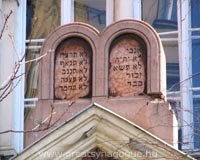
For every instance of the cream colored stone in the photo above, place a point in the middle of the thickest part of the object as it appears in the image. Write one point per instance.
(99, 127)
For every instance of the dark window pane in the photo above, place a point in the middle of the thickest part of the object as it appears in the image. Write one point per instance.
(42, 18)
(91, 12)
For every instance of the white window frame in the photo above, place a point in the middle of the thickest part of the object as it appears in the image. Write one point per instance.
(20, 33)
(67, 11)
(137, 9)
(185, 63)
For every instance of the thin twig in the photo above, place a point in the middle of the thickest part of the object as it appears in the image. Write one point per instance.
(35, 129)
(4, 25)
(180, 82)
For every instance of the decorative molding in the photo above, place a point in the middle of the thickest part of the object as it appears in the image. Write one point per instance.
(96, 126)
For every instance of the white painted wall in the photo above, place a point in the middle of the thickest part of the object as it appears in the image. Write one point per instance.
(6, 66)
(11, 108)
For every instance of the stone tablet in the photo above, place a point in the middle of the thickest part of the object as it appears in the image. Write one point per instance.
(127, 72)
(125, 60)
(73, 69)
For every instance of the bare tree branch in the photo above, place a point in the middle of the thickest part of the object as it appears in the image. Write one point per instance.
(7, 86)
(5, 23)
(181, 82)
(40, 128)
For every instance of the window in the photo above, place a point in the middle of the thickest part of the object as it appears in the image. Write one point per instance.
(93, 13)
(161, 14)
(42, 18)
(195, 33)
(178, 26)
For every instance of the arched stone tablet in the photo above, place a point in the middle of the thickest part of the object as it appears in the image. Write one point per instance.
(155, 66)
(127, 66)
(66, 70)
(125, 60)
(73, 69)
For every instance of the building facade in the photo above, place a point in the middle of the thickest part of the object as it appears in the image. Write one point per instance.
(31, 22)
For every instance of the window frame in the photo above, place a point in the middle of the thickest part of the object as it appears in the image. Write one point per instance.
(18, 117)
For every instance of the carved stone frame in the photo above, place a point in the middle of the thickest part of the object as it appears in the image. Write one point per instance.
(46, 79)
(100, 44)
(156, 65)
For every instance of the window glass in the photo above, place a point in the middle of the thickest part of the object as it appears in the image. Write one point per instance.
(196, 105)
(91, 12)
(162, 15)
(195, 13)
(42, 18)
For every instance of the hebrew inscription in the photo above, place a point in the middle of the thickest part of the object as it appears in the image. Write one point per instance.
(73, 69)
(127, 72)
